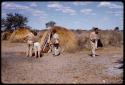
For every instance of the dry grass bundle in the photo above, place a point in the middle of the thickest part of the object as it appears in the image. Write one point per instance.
(68, 39)
(5, 35)
(116, 38)
(19, 35)
(83, 40)
(105, 37)
(42, 37)
(40, 34)
(112, 38)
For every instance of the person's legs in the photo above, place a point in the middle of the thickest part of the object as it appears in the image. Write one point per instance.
(39, 54)
(27, 52)
(56, 49)
(30, 50)
(35, 53)
(93, 47)
(39, 50)
(57, 52)
(96, 43)
(93, 51)
(53, 48)
(35, 49)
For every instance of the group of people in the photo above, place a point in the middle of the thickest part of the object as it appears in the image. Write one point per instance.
(53, 41)
(36, 48)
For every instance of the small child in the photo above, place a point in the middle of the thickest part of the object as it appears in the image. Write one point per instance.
(37, 48)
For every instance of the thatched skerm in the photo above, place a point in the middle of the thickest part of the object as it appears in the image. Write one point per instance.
(19, 35)
(6, 35)
(68, 40)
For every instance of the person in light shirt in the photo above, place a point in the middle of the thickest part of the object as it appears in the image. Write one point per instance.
(94, 40)
(55, 42)
(30, 41)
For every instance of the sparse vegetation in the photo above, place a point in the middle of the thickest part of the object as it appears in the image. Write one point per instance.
(108, 38)
(13, 21)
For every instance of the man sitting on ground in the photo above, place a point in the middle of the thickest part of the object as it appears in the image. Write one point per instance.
(55, 42)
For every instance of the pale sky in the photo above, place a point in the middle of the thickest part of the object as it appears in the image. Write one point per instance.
(72, 15)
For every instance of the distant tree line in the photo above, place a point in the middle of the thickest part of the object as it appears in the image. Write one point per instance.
(16, 20)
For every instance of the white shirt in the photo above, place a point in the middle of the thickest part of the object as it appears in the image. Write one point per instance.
(56, 38)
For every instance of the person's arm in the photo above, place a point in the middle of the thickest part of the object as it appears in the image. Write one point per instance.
(58, 38)
(91, 36)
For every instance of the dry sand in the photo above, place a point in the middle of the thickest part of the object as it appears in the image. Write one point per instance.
(66, 68)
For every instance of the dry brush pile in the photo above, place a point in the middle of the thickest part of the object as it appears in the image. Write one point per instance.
(108, 38)
(112, 38)
(68, 39)
(5, 35)
(19, 35)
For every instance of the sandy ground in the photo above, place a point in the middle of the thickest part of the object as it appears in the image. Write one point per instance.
(66, 68)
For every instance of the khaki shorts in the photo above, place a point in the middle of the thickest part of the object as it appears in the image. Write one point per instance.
(37, 46)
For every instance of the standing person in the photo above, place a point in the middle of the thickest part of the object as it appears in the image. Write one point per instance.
(94, 40)
(55, 43)
(37, 49)
(30, 41)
